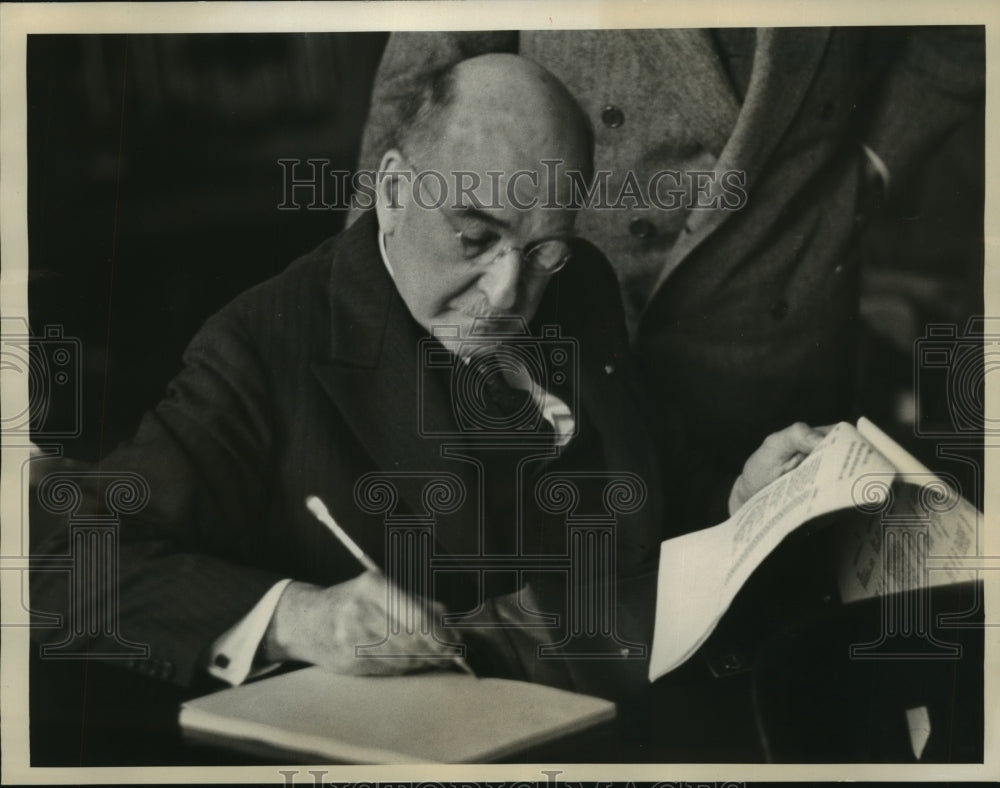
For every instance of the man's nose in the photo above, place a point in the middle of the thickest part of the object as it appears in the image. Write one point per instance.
(500, 279)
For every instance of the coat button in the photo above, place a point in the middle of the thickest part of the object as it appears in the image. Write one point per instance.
(779, 310)
(641, 228)
(612, 117)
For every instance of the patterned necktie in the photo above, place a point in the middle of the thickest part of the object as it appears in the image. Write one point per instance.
(512, 407)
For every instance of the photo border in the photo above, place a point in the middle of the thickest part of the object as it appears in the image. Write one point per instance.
(17, 21)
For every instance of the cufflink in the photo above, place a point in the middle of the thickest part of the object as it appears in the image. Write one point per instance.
(221, 661)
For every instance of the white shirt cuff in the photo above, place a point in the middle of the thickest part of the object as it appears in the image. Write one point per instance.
(232, 655)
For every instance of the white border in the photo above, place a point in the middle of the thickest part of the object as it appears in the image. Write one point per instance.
(19, 20)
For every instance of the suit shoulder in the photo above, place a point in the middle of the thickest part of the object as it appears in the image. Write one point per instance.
(288, 307)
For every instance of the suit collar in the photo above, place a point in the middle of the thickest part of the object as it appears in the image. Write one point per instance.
(372, 375)
(362, 296)
(371, 370)
(785, 63)
(704, 95)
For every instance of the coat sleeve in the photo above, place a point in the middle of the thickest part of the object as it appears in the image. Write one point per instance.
(185, 568)
(408, 59)
(936, 81)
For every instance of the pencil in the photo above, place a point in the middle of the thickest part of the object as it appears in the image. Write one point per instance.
(319, 510)
(321, 513)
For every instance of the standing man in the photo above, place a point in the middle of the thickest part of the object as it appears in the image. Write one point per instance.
(736, 164)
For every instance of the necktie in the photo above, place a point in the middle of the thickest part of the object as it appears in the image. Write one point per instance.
(515, 409)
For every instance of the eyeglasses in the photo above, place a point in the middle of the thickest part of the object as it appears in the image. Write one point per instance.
(545, 257)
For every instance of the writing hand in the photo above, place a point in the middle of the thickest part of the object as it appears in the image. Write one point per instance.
(323, 626)
(780, 453)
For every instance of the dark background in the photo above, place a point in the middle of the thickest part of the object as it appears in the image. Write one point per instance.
(154, 187)
(153, 193)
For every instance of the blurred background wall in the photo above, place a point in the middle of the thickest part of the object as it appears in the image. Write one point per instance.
(154, 187)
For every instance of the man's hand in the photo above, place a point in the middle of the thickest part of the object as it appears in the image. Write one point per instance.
(779, 453)
(323, 626)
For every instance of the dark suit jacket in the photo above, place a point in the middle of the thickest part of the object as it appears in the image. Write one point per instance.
(748, 317)
(301, 386)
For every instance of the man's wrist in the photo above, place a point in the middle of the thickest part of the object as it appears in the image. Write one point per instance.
(284, 632)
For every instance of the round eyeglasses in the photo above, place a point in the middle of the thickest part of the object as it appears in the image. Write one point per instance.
(545, 257)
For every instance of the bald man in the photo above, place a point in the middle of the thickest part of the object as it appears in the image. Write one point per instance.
(436, 364)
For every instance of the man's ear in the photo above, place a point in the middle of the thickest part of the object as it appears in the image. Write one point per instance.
(392, 190)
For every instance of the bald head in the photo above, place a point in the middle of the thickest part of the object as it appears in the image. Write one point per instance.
(502, 104)
(472, 219)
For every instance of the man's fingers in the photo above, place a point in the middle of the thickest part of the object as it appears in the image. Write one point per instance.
(394, 604)
(393, 666)
(409, 622)
(780, 453)
(793, 462)
(799, 438)
(398, 653)
(369, 611)
(416, 614)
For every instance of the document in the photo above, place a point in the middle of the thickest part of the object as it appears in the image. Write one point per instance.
(942, 528)
(700, 573)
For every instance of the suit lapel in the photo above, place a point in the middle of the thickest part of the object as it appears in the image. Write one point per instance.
(784, 66)
(371, 376)
(785, 62)
(704, 96)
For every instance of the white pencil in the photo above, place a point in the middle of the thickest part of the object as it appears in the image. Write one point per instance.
(321, 513)
(319, 510)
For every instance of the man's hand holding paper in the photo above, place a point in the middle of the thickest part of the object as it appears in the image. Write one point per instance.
(780, 453)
